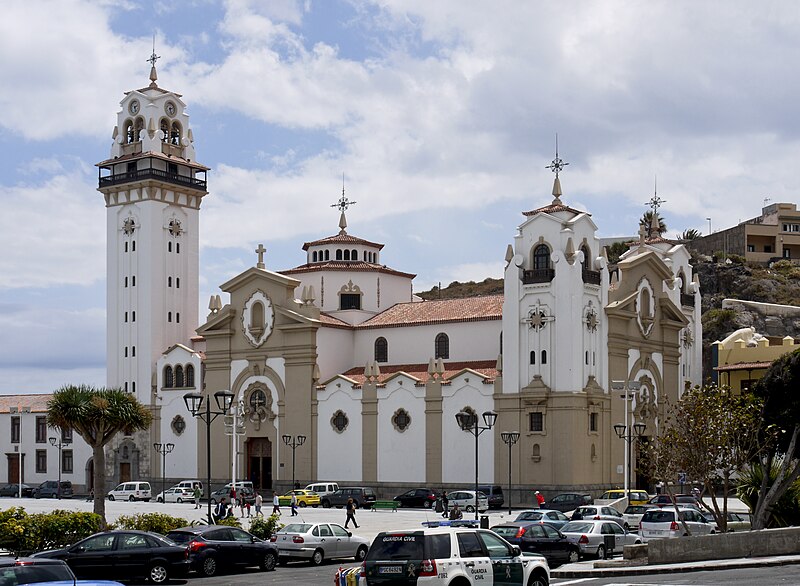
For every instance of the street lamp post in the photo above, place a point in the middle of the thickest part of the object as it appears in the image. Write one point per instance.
(627, 432)
(163, 449)
(293, 442)
(20, 411)
(509, 438)
(194, 403)
(59, 443)
(469, 422)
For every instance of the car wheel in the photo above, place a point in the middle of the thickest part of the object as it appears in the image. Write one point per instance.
(574, 556)
(302, 504)
(601, 552)
(209, 566)
(361, 553)
(317, 557)
(538, 580)
(161, 500)
(426, 505)
(470, 509)
(131, 499)
(180, 500)
(326, 504)
(268, 562)
(111, 497)
(158, 574)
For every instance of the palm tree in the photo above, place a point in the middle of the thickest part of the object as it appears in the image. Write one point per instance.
(689, 234)
(647, 222)
(97, 415)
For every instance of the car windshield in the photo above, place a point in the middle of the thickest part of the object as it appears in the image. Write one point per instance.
(35, 573)
(529, 516)
(577, 527)
(508, 531)
(658, 516)
(296, 528)
(180, 536)
(397, 546)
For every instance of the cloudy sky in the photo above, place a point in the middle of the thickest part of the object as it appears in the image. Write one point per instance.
(441, 115)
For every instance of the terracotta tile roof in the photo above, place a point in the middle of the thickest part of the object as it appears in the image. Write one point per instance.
(484, 308)
(36, 403)
(551, 209)
(487, 368)
(743, 366)
(332, 322)
(660, 240)
(342, 239)
(345, 265)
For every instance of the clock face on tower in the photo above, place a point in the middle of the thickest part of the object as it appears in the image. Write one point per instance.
(170, 108)
(133, 107)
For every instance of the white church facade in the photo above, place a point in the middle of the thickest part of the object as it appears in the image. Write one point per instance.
(340, 350)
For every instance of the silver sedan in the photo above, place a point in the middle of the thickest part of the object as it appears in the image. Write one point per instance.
(315, 542)
(591, 536)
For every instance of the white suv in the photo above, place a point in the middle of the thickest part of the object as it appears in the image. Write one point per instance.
(442, 556)
(665, 523)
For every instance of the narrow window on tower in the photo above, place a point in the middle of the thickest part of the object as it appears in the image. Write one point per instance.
(126, 352)
(133, 387)
(126, 387)
(133, 246)
(178, 317)
(133, 350)
(544, 356)
(133, 281)
(133, 316)
(533, 356)
(169, 316)
(169, 246)
(178, 282)
(126, 247)
(177, 247)
(126, 281)
(169, 281)
(586, 359)
(327, 255)
(338, 254)
(189, 375)
(126, 317)
(346, 255)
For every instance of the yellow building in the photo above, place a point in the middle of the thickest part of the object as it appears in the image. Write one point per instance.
(742, 358)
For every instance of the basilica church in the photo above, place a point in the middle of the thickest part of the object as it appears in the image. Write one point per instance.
(339, 372)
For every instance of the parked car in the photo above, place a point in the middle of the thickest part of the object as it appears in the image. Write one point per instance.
(466, 500)
(137, 490)
(124, 555)
(190, 484)
(439, 556)
(661, 500)
(555, 519)
(665, 522)
(13, 490)
(591, 536)
(322, 488)
(175, 495)
(305, 498)
(597, 513)
(736, 521)
(633, 515)
(494, 492)
(18, 571)
(225, 491)
(540, 538)
(315, 542)
(569, 501)
(417, 497)
(637, 497)
(216, 547)
(363, 497)
(49, 489)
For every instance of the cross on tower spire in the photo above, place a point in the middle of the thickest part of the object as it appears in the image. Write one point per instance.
(556, 166)
(343, 204)
(152, 60)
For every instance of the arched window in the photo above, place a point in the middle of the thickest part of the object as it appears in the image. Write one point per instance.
(354, 255)
(169, 246)
(133, 350)
(189, 375)
(533, 356)
(169, 316)
(541, 257)
(338, 254)
(129, 132)
(133, 281)
(381, 350)
(645, 303)
(346, 255)
(442, 346)
(315, 256)
(327, 255)
(179, 382)
(169, 281)
(587, 258)
(126, 352)
(177, 248)
(138, 127)
(178, 282)
(178, 317)
(257, 319)
(169, 379)
(544, 356)
(164, 127)
(175, 134)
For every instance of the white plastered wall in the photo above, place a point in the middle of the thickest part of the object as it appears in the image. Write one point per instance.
(401, 454)
(339, 455)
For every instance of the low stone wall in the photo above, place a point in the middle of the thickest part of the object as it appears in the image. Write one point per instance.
(741, 544)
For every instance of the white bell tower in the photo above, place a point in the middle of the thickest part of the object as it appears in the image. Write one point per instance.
(153, 188)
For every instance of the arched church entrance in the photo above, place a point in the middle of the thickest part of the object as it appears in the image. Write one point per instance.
(259, 462)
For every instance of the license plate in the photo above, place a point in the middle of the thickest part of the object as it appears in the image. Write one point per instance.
(390, 570)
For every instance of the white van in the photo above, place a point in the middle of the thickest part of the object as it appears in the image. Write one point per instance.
(190, 484)
(131, 491)
(322, 488)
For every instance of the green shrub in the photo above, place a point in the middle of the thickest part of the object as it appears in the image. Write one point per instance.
(22, 533)
(264, 527)
(155, 522)
(231, 521)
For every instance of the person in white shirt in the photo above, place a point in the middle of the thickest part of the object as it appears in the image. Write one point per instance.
(276, 504)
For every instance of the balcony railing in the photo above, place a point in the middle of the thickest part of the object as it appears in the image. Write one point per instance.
(687, 299)
(592, 277)
(140, 174)
(538, 276)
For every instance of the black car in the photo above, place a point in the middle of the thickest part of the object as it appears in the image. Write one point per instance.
(123, 555)
(13, 490)
(495, 494)
(214, 547)
(49, 489)
(362, 497)
(540, 538)
(417, 497)
(569, 501)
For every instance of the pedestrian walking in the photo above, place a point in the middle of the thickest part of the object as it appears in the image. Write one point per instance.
(241, 503)
(539, 499)
(247, 506)
(259, 502)
(276, 503)
(444, 504)
(294, 504)
(197, 493)
(351, 513)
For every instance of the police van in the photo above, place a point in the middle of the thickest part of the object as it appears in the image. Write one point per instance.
(442, 556)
